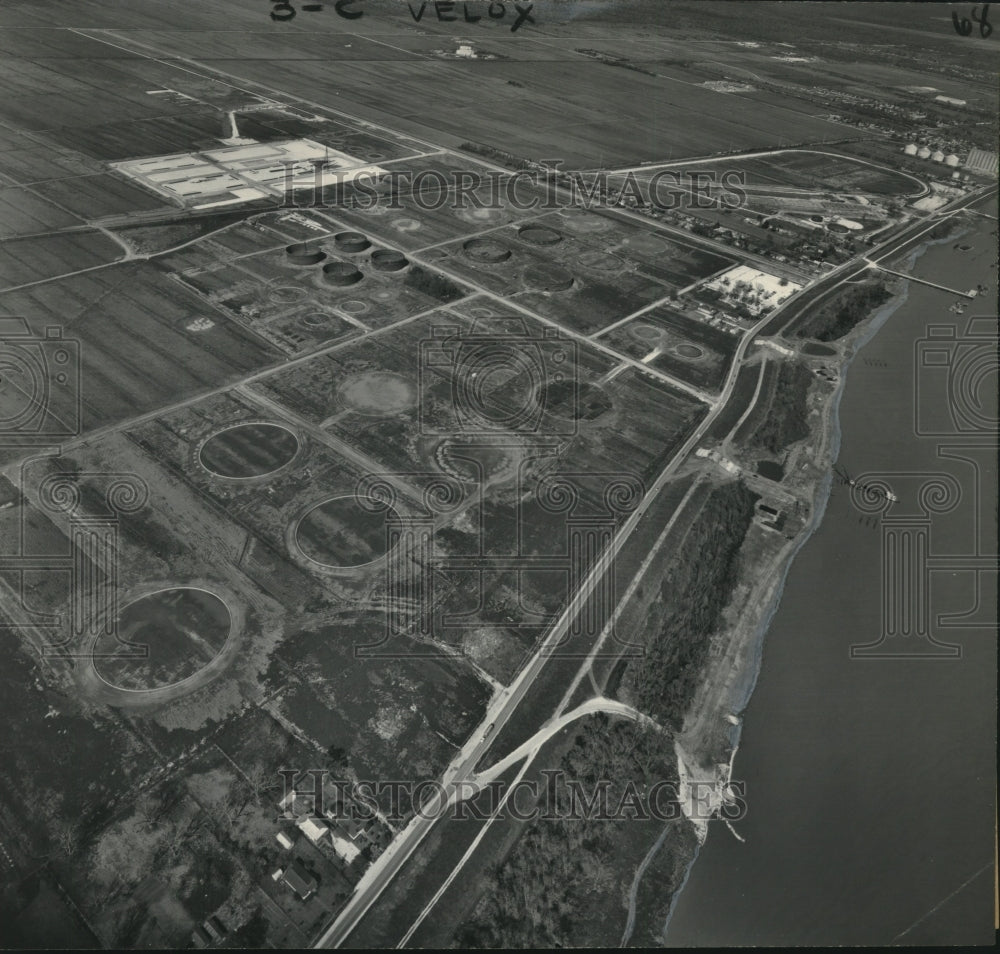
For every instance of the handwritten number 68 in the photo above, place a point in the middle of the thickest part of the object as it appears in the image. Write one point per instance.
(963, 27)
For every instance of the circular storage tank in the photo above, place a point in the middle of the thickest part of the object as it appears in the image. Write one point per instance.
(389, 260)
(488, 251)
(924, 152)
(911, 149)
(548, 277)
(951, 160)
(937, 156)
(538, 235)
(341, 274)
(351, 242)
(303, 254)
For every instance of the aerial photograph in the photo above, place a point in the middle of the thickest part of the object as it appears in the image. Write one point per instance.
(498, 475)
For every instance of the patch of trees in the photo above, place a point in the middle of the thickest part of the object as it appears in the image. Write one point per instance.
(497, 155)
(836, 319)
(944, 229)
(431, 284)
(609, 59)
(695, 591)
(252, 935)
(785, 421)
(546, 885)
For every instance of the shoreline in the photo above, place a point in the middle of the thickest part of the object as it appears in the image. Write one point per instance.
(770, 596)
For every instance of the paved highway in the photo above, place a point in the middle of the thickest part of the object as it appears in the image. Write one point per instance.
(462, 769)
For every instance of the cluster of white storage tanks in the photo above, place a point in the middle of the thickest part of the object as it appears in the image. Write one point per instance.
(923, 152)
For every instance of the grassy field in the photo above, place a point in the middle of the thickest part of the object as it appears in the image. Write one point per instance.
(396, 714)
(817, 171)
(739, 400)
(136, 333)
(27, 260)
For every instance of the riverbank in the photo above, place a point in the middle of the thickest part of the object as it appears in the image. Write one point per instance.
(693, 929)
(737, 682)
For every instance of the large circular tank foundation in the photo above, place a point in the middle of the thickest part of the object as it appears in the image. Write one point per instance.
(538, 235)
(548, 277)
(389, 260)
(351, 242)
(341, 274)
(489, 251)
(303, 254)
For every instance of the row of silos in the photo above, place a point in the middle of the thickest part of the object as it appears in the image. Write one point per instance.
(924, 152)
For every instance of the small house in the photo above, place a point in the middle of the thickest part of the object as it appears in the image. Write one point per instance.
(299, 880)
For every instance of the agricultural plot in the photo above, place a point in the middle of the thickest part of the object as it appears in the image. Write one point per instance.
(97, 196)
(577, 109)
(27, 260)
(382, 146)
(143, 341)
(24, 213)
(686, 348)
(119, 141)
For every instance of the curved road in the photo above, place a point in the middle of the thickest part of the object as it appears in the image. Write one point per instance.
(462, 769)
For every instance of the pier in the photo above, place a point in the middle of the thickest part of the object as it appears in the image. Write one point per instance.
(922, 281)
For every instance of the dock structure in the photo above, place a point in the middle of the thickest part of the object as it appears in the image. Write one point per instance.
(923, 281)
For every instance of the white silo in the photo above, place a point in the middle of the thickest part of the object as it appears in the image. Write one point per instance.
(924, 153)
(911, 149)
(951, 160)
(937, 156)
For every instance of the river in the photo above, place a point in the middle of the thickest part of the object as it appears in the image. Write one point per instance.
(870, 782)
